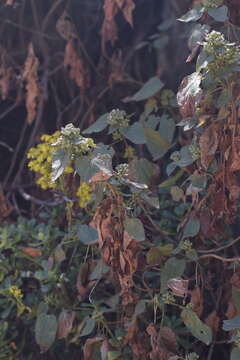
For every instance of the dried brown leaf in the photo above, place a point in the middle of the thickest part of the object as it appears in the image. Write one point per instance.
(168, 339)
(34, 253)
(208, 143)
(213, 321)
(127, 7)
(65, 323)
(77, 71)
(90, 347)
(196, 301)
(30, 75)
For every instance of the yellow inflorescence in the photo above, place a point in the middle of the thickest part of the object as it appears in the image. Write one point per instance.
(41, 160)
(84, 194)
(16, 292)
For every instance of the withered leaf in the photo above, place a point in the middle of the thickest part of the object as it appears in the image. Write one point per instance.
(32, 252)
(65, 322)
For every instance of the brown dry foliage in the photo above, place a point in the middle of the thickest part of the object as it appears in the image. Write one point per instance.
(77, 70)
(30, 75)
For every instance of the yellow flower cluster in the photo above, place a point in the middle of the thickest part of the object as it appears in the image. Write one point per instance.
(16, 292)
(41, 162)
(84, 194)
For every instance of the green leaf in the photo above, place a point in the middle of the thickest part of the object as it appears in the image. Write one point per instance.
(104, 163)
(236, 298)
(235, 354)
(193, 15)
(142, 171)
(151, 200)
(60, 160)
(135, 133)
(203, 60)
(197, 35)
(191, 228)
(149, 89)
(140, 307)
(219, 14)
(232, 324)
(113, 355)
(172, 269)
(45, 331)
(155, 254)
(87, 234)
(167, 128)
(85, 169)
(59, 254)
(156, 144)
(198, 329)
(100, 270)
(185, 157)
(135, 228)
(88, 327)
(98, 126)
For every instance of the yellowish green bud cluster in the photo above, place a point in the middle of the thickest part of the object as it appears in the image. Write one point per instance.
(16, 292)
(41, 160)
(192, 356)
(212, 4)
(167, 97)
(117, 135)
(224, 54)
(72, 141)
(186, 246)
(195, 151)
(175, 156)
(118, 118)
(122, 169)
(84, 194)
(168, 298)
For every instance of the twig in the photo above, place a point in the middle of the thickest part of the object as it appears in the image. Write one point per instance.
(220, 248)
(235, 259)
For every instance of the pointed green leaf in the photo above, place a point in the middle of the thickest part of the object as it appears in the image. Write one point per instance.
(87, 234)
(135, 133)
(193, 15)
(149, 89)
(134, 228)
(156, 144)
(98, 126)
(172, 269)
(191, 228)
(235, 354)
(220, 14)
(198, 329)
(45, 331)
(60, 160)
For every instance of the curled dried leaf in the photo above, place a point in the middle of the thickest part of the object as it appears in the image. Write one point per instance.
(77, 69)
(30, 75)
(65, 322)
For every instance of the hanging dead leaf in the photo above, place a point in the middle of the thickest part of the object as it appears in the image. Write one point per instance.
(32, 252)
(65, 322)
(208, 143)
(5, 208)
(196, 301)
(6, 74)
(159, 351)
(77, 69)
(30, 75)
(168, 339)
(109, 29)
(213, 321)
(91, 347)
(127, 7)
